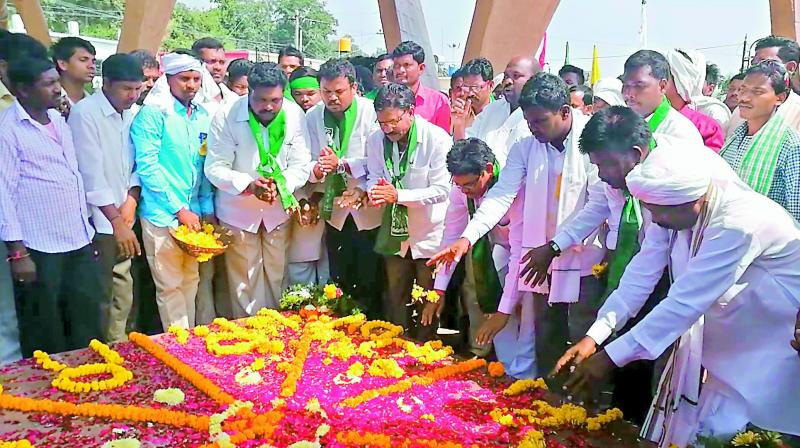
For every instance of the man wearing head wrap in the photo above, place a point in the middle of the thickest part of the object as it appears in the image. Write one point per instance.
(688, 70)
(258, 158)
(734, 261)
(607, 92)
(684, 80)
(169, 136)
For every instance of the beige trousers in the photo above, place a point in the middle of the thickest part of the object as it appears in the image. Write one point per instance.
(257, 269)
(175, 274)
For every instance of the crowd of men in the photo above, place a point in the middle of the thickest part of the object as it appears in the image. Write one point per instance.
(602, 227)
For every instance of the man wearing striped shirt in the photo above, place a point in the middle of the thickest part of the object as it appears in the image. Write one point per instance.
(44, 219)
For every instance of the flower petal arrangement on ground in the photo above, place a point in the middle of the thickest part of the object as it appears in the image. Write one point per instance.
(279, 380)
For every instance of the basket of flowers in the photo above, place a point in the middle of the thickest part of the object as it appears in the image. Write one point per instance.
(204, 244)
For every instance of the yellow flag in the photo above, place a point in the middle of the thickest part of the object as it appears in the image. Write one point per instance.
(595, 67)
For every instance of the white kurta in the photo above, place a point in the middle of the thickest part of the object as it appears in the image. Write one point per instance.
(426, 186)
(745, 280)
(500, 128)
(233, 160)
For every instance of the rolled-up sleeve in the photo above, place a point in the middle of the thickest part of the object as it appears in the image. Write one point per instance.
(146, 131)
(219, 160)
(10, 228)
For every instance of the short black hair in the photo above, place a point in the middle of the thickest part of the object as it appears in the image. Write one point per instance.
(122, 67)
(266, 74)
(238, 68)
(712, 74)
(659, 67)
(18, 45)
(187, 52)
(383, 57)
(207, 42)
(302, 71)
(738, 76)
(774, 71)
(145, 58)
(588, 95)
(458, 74)
(291, 51)
(788, 50)
(615, 128)
(395, 95)
(25, 71)
(337, 68)
(409, 47)
(544, 90)
(66, 46)
(478, 66)
(469, 156)
(364, 79)
(573, 69)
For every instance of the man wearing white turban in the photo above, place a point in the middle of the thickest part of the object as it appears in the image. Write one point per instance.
(607, 92)
(169, 136)
(686, 79)
(734, 262)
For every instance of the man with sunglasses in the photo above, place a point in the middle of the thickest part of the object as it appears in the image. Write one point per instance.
(474, 169)
(408, 178)
(476, 93)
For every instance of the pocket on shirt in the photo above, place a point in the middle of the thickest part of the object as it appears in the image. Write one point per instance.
(416, 177)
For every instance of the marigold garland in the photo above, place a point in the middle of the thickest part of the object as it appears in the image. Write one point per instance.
(496, 369)
(386, 368)
(295, 369)
(66, 375)
(595, 423)
(184, 371)
(181, 334)
(521, 386)
(533, 439)
(16, 444)
(390, 332)
(112, 411)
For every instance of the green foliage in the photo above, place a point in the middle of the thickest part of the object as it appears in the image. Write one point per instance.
(298, 297)
(188, 25)
(752, 439)
(97, 18)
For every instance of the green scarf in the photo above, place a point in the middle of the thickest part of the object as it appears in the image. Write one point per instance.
(394, 224)
(631, 219)
(487, 280)
(340, 132)
(269, 167)
(372, 94)
(758, 166)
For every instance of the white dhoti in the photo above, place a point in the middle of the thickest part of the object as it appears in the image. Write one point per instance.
(515, 344)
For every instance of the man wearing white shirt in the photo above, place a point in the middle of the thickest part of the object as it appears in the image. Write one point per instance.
(551, 173)
(100, 127)
(212, 53)
(407, 177)
(474, 169)
(501, 123)
(339, 129)
(733, 257)
(257, 157)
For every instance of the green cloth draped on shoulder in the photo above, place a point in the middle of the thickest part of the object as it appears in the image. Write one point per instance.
(287, 93)
(338, 132)
(269, 167)
(487, 280)
(372, 94)
(394, 223)
(631, 218)
(760, 160)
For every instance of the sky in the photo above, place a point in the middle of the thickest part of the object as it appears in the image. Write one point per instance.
(715, 27)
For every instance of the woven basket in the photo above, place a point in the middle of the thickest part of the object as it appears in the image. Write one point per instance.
(225, 237)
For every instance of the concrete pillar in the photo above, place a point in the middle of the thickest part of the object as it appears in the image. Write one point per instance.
(785, 17)
(144, 24)
(404, 20)
(33, 18)
(502, 29)
(4, 14)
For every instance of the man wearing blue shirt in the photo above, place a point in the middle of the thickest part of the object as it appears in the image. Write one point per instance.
(169, 136)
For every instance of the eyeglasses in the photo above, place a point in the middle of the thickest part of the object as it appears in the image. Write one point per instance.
(473, 89)
(469, 186)
(393, 123)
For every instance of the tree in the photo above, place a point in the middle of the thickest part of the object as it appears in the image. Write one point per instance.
(315, 21)
(96, 18)
(188, 25)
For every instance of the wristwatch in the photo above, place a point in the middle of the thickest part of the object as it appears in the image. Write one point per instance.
(554, 246)
(340, 168)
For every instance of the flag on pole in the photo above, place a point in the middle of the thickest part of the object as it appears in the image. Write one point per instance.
(566, 55)
(643, 26)
(595, 67)
(544, 51)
